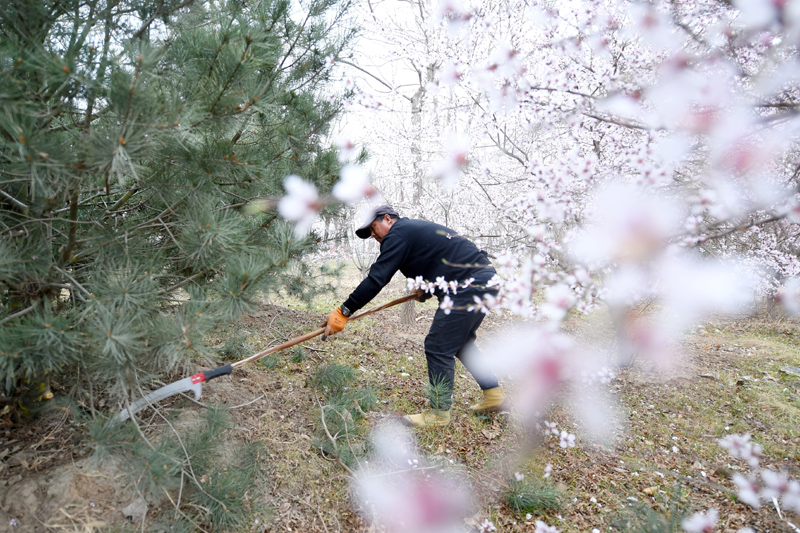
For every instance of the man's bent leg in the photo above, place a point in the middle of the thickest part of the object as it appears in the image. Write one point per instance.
(471, 357)
(494, 399)
(447, 337)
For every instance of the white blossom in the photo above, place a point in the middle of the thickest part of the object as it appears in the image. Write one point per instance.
(353, 185)
(300, 204)
(701, 522)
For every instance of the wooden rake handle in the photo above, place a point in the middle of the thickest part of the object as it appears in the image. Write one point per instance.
(320, 331)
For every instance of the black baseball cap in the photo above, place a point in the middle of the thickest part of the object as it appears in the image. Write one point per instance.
(377, 212)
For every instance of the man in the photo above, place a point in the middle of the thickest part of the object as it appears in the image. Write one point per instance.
(420, 248)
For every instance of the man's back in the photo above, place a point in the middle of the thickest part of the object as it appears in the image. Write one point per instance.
(432, 250)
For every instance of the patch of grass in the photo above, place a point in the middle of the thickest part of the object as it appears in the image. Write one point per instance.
(532, 495)
(643, 517)
(269, 362)
(331, 379)
(218, 479)
(298, 355)
(235, 347)
(339, 433)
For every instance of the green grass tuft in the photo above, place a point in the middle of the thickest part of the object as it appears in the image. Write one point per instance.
(533, 495)
(331, 379)
(234, 348)
(642, 517)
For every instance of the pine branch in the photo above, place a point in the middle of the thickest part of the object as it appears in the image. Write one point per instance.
(146, 24)
(248, 41)
(19, 314)
(119, 203)
(24, 208)
(73, 228)
(370, 74)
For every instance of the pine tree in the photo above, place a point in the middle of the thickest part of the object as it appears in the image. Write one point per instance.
(132, 133)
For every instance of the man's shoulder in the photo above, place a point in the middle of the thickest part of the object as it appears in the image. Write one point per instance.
(415, 224)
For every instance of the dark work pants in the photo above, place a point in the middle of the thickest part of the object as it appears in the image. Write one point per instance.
(453, 335)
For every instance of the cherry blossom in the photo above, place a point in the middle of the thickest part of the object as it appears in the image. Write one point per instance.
(567, 440)
(701, 522)
(353, 185)
(756, 14)
(791, 497)
(455, 13)
(741, 447)
(448, 170)
(409, 498)
(788, 296)
(449, 74)
(540, 361)
(446, 305)
(346, 147)
(300, 204)
(748, 490)
(542, 527)
(775, 484)
(627, 225)
(559, 300)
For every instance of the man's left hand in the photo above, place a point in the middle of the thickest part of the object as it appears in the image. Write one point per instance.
(335, 323)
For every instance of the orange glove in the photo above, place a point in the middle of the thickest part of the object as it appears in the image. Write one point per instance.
(335, 324)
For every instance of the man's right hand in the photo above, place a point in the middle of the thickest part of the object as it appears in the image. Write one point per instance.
(335, 323)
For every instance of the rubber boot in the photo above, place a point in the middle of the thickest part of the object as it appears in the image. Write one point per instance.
(429, 418)
(493, 400)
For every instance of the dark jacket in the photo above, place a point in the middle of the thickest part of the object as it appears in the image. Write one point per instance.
(421, 248)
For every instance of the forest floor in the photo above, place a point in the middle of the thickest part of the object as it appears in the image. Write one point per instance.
(736, 376)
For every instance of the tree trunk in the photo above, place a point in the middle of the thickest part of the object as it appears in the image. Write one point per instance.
(408, 313)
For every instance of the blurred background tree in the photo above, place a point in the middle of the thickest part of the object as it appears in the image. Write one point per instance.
(132, 132)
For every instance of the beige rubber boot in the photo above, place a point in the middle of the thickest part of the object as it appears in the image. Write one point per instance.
(431, 417)
(493, 400)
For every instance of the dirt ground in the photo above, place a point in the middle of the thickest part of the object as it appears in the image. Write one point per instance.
(48, 483)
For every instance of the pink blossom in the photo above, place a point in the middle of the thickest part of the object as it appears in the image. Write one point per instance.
(456, 13)
(693, 289)
(756, 13)
(627, 225)
(409, 499)
(739, 446)
(488, 526)
(567, 440)
(449, 168)
(505, 61)
(559, 299)
(300, 204)
(701, 522)
(548, 470)
(353, 185)
(775, 484)
(605, 375)
(346, 147)
(446, 305)
(748, 490)
(449, 74)
(788, 296)
(539, 361)
(542, 527)
(482, 305)
(791, 497)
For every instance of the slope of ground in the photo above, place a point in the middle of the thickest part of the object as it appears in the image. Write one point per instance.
(737, 377)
